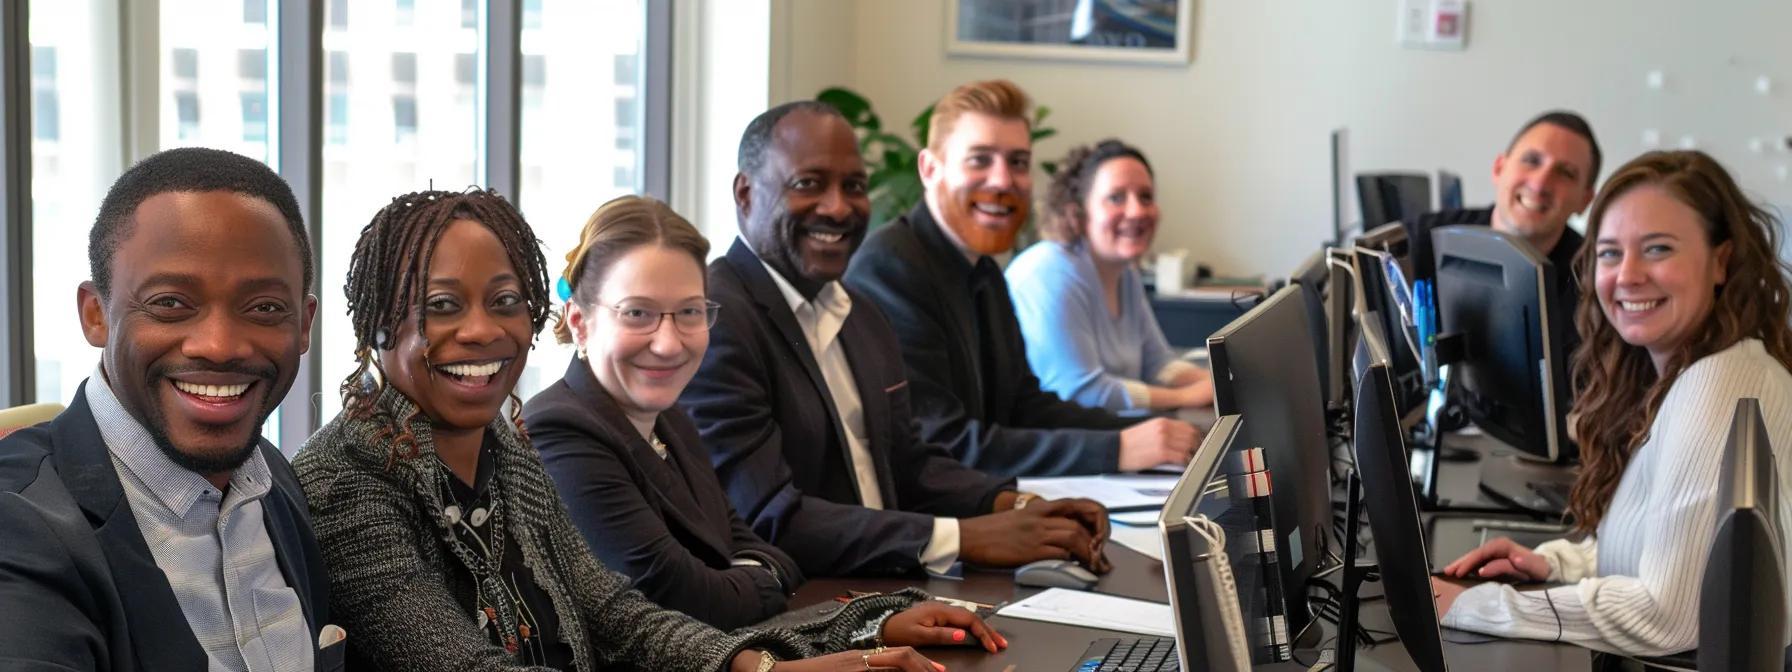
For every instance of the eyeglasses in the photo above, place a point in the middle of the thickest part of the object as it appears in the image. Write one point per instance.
(641, 320)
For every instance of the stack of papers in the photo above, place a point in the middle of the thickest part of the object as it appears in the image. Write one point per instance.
(1095, 610)
(1118, 492)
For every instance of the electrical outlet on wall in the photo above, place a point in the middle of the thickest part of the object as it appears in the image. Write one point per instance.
(1431, 24)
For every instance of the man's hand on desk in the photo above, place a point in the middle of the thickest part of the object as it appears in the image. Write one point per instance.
(1058, 528)
(1157, 441)
(931, 623)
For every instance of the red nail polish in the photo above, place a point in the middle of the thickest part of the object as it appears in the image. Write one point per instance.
(957, 635)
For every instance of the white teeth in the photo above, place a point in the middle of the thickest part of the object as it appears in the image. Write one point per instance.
(1638, 306)
(474, 370)
(826, 237)
(992, 209)
(1529, 204)
(214, 391)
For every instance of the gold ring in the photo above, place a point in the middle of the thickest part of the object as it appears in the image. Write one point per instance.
(866, 656)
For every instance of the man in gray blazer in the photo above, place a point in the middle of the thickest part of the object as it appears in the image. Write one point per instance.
(802, 400)
(149, 526)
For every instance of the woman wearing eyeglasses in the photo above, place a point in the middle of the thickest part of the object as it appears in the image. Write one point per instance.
(446, 544)
(627, 461)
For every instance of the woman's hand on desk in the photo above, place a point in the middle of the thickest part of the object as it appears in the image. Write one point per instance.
(893, 658)
(1057, 528)
(1500, 560)
(931, 623)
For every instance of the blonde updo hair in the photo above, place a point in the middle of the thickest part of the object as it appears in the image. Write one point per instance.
(615, 229)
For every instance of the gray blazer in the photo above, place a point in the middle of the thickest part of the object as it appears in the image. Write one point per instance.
(395, 589)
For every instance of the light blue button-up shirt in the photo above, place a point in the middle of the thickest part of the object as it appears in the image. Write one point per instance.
(214, 547)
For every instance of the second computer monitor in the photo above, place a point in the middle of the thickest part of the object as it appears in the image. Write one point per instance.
(1265, 367)
(1495, 292)
(1393, 508)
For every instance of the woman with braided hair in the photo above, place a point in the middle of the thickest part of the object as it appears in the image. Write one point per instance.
(446, 545)
(1090, 333)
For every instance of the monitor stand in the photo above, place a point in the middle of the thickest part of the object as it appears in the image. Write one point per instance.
(1538, 488)
(1344, 660)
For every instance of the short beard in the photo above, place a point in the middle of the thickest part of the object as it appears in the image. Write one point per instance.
(207, 464)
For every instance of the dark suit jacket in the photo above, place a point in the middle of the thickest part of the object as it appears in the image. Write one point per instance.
(664, 523)
(79, 589)
(769, 422)
(1567, 289)
(973, 390)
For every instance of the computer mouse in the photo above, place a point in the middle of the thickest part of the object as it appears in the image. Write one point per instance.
(1055, 574)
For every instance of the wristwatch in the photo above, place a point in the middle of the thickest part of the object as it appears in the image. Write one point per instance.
(1021, 500)
(766, 661)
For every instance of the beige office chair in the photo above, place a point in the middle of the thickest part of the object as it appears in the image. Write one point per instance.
(20, 417)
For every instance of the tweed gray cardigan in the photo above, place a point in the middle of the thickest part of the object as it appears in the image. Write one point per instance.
(394, 586)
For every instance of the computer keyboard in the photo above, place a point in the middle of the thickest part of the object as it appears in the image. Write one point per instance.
(1132, 654)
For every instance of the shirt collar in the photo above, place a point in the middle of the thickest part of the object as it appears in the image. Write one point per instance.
(131, 445)
(831, 299)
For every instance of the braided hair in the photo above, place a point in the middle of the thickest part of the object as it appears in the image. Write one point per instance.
(389, 272)
(1065, 215)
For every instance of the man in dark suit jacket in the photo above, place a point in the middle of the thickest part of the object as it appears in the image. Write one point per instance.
(931, 273)
(149, 527)
(802, 399)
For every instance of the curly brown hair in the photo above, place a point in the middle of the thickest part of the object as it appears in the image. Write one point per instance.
(1065, 219)
(1613, 379)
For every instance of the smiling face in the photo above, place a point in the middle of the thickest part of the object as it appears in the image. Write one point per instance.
(478, 332)
(979, 182)
(808, 209)
(644, 372)
(205, 324)
(1122, 211)
(1540, 182)
(1656, 271)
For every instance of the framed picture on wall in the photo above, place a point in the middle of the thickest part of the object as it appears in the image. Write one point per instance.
(1142, 31)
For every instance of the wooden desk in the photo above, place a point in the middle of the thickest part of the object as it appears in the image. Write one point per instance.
(1049, 647)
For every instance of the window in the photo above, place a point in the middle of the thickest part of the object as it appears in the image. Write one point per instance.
(469, 13)
(404, 117)
(217, 92)
(76, 133)
(404, 13)
(574, 156)
(384, 138)
(186, 64)
(255, 116)
(466, 69)
(404, 68)
(186, 115)
(46, 104)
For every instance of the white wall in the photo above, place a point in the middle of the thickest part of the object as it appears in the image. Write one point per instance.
(1239, 136)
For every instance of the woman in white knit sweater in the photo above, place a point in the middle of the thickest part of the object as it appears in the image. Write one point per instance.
(1691, 315)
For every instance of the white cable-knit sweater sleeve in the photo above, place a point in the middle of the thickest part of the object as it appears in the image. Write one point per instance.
(1656, 611)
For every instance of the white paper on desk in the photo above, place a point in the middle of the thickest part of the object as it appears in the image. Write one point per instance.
(1148, 541)
(1095, 610)
(1115, 491)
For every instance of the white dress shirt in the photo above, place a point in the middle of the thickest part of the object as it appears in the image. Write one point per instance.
(214, 547)
(821, 321)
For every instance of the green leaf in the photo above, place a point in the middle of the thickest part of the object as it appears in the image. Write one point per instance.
(920, 125)
(1040, 113)
(1050, 167)
(1043, 133)
(850, 104)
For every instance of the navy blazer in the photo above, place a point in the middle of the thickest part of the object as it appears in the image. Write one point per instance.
(79, 587)
(664, 523)
(768, 419)
(973, 389)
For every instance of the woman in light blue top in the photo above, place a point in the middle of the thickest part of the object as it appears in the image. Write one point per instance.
(1090, 333)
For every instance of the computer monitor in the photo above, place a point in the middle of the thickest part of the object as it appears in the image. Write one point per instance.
(1494, 292)
(1392, 506)
(1449, 190)
(1391, 197)
(1742, 604)
(1313, 277)
(1375, 294)
(1203, 641)
(1264, 367)
(1340, 297)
